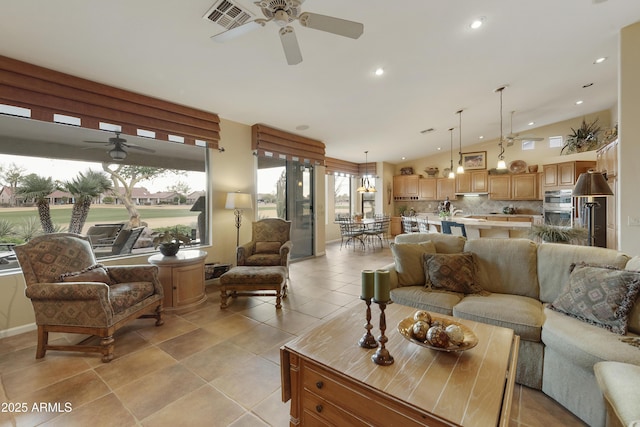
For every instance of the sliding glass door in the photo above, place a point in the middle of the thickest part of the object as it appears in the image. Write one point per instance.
(285, 190)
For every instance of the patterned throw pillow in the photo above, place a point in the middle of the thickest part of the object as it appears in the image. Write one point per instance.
(93, 273)
(408, 261)
(452, 272)
(268, 247)
(601, 296)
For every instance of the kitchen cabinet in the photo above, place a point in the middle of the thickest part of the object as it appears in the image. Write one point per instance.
(395, 227)
(564, 175)
(524, 186)
(514, 187)
(500, 187)
(472, 182)
(445, 187)
(427, 189)
(405, 187)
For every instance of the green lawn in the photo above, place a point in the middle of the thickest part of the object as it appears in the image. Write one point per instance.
(98, 214)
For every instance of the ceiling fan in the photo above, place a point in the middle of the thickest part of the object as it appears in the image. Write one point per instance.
(118, 152)
(513, 137)
(284, 12)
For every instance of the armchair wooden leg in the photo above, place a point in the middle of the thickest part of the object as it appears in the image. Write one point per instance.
(159, 319)
(107, 345)
(43, 340)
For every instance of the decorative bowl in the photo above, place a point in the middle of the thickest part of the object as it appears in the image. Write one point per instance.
(470, 339)
(518, 166)
(431, 171)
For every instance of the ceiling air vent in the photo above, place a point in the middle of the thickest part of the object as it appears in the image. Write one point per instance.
(227, 14)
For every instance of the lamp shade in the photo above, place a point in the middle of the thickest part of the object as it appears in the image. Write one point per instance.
(591, 184)
(238, 201)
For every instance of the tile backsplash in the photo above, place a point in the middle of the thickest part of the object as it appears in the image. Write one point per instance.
(475, 206)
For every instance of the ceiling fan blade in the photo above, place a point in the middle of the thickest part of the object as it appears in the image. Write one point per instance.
(239, 30)
(137, 147)
(98, 142)
(338, 26)
(290, 45)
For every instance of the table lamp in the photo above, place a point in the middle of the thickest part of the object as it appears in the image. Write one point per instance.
(591, 184)
(238, 201)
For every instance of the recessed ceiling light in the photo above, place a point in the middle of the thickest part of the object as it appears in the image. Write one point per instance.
(579, 102)
(439, 148)
(481, 137)
(600, 60)
(404, 158)
(532, 123)
(477, 23)
(379, 71)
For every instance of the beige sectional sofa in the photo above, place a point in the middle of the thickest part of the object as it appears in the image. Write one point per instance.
(557, 352)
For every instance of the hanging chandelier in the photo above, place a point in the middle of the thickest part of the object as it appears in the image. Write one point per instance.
(460, 167)
(501, 162)
(451, 174)
(365, 186)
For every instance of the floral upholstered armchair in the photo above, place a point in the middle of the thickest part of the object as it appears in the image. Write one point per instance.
(270, 244)
(71, 293)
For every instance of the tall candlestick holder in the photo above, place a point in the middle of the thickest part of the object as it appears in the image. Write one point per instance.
(382, 356)
(368, 340)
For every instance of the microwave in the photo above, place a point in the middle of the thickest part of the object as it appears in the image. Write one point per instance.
(558, 208)
(558, 198)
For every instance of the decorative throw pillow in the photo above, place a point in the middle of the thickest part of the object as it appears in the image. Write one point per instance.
(408, 260)
(601, 296)
(268, 247)
(452, 272)
(93, 273)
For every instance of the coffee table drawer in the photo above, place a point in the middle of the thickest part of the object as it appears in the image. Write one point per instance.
(318, 411)
(340, 393)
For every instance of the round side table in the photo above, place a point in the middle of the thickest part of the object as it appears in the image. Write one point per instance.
(182, 278)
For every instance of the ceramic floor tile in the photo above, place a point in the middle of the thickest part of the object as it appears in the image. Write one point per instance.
(218, 360)
(318, 309)
(338, 298)
(106, 411)
(127, 369)
(231, 326)
(153, 392)
(253, 384)
(260, 313)
(249, 420)
(273, 410)
(291, 321)
(173, 326)
(204, 407)
(263, 337)
(192, 342)
(535, 411)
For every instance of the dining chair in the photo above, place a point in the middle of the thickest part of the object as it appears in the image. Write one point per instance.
(423, 225)
(409, 224)
(455, 228)
(350, 232)
(379, 229)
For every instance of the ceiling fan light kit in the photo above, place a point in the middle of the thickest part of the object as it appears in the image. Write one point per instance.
(283, 13)
(118, 151)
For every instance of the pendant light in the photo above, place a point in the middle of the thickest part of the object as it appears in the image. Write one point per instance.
(460, 167)
(451, 174)
(366, 187)
(501, 162)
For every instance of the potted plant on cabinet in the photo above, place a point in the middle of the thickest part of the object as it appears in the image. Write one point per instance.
(585, 138)
(170, 239)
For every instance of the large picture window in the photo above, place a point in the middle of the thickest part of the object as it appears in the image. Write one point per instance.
(342, 196)
(159, 185)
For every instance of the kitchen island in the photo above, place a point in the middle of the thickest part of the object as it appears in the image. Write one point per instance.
(489, 225)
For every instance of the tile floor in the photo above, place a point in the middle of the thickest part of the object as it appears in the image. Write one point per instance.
(206, 367)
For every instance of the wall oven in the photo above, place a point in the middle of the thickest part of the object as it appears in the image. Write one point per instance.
(558, 208)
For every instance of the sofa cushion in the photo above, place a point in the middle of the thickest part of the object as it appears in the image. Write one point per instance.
(585, 344)
(554, 260)
(421, 298)
(408, 261)
(619, 385)
(125, 295)
(93, 273)
(506, 266)
(451, 272)
(522, 314)
(600, 296)
(268, 247)
(445, 243)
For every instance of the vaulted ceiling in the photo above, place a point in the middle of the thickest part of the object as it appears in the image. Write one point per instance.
(434, 63)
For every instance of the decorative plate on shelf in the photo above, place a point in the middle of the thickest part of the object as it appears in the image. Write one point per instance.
(518, 166)
(470, 339)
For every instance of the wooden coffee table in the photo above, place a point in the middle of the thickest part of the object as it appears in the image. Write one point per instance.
(331, 380)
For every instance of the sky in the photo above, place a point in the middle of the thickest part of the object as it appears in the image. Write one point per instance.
(65, 170)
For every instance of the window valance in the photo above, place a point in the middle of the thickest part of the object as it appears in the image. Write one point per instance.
(267, 141)
(47, 93)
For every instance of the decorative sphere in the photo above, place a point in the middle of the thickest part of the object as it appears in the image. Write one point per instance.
(437, 336)
(456, 334)
(422, 315)
(419, 330)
